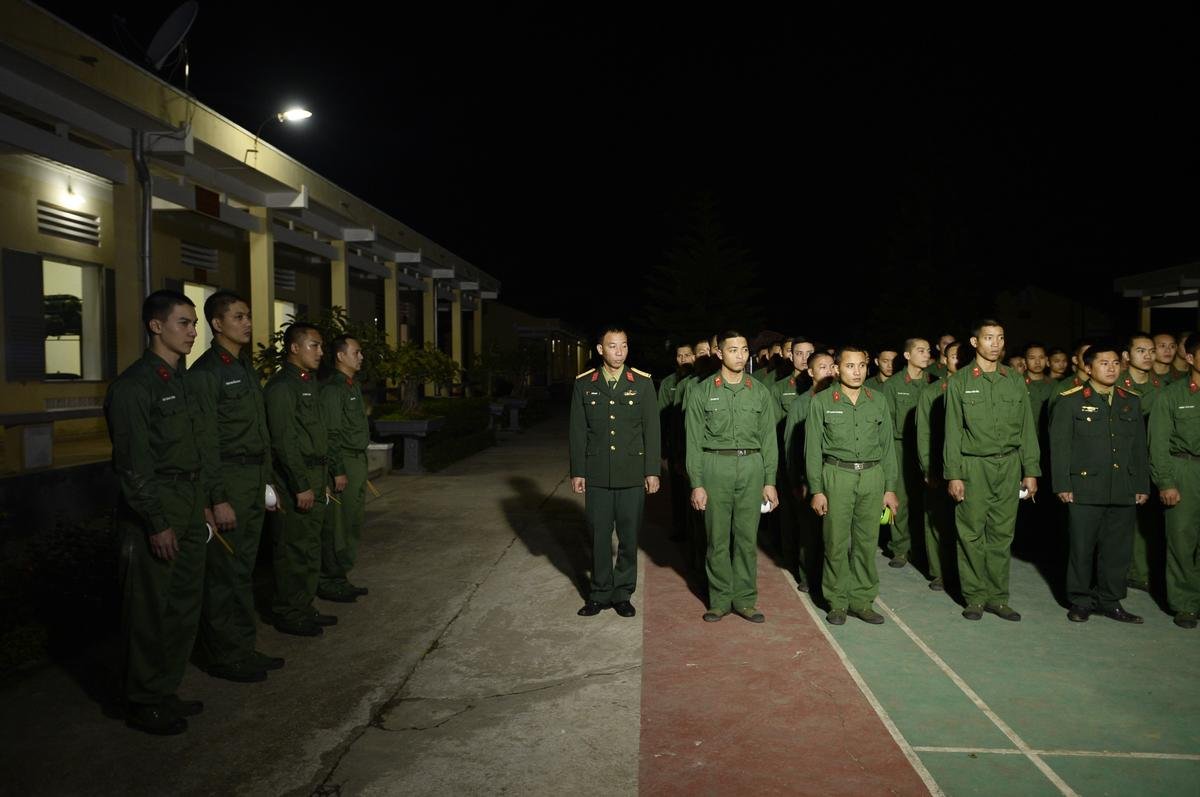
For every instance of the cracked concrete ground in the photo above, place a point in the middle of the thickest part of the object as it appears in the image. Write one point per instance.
(464, 671)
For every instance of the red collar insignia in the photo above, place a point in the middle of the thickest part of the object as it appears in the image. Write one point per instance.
(1028, 380)
(349, 382)
(1076, 381)
(975, 372)
(1121, 393)
(1154, 381)
(1128, 382)
(837, 396)
(596, 376)
(304, 375)
(867, 390)
(1003, 371)
(163, 373)
(746, 382)
(944, 383)
(792, 381)
(1087, 392)
(225, 358)
(629, 375)
(717, 381)
(1192, 387)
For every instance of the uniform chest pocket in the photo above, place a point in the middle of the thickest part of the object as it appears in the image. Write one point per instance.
(976, 411)
(1089, 424)
(1125, 424)
(718, 420)
(234, 389)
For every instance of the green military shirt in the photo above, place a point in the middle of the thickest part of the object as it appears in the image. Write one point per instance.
(931, 426)
(988, 414)
(1147, 391)
(345, 419)
(875, 382)
(902, 393)
(719, 415)
(1040, 391)
(792, 455)
(299, 439)
(241, 415)
(614, 430)
(784, 393)
(669, 390)
(1174, 429)
(159, 419)
(1098, 446)
(851, 432)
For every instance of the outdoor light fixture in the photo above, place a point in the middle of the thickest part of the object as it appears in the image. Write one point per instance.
(294, 114)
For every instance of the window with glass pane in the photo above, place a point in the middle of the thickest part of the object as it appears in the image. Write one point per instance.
(73, 302)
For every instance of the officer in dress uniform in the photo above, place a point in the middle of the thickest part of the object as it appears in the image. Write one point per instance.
(614, 447)
(1100, 470)
(158, 418)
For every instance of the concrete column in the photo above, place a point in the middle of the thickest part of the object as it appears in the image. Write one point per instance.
(126, 199)
(477, 327)
(1144, 314)
(456, 328)
(391, 313)
(262, 278)
(429, 311)
(339, 278)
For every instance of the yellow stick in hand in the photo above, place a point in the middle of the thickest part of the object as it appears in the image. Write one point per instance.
(374, 490)
(221, 539)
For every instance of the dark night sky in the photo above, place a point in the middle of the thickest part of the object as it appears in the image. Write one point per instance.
(560, 152)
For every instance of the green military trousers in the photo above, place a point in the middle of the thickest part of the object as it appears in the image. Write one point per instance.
(1147, 539)
(986, 520)
(342, 528)
(939, 530)
(227, 621)
(909, 494)
(734, 486)
(851, 530)
(297, 551)
(1183, 539)
(610, 508)
(1099, 536)
(161, 599)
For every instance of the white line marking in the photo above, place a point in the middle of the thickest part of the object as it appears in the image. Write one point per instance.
(1078, 753)
(1017, 741)
(898, 737)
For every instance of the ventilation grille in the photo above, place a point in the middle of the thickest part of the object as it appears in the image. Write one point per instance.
(70, 224)
(198, 257)
(285, 279)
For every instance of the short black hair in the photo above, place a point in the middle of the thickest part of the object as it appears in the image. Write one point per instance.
(1139, 335)
(1193, 345)
(1034, 344)
(158, 306)
(1099, 346)
(217, 304)
(1054, 351)
(979, 324)
(733, 333)
(910, 342)
(850, 347)
(338, 345)
(294, 332)
(816, 354)
(705, 341)
(687, 346)
(604, 330)
(1162, 333)
(1084, 343)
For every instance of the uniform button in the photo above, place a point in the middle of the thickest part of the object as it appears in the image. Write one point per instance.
(612, 417)
(611, 401)
(612, 432)
(1116, 466)
(614, 448)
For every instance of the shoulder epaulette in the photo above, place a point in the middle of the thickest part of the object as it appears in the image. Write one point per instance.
(1129, 390)
(585, 373)
(641, 373)
(1071, 390)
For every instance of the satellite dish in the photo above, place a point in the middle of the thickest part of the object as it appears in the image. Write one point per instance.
(172, 33)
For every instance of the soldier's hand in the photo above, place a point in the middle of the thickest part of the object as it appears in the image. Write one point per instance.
(1030, 484)
(652, 485)
(305, 500)
(1141, 498)
(1067, 498)
(225, 517)
(770, 494)
(578, 484)
(699, 499)
(820, 504)
(957, 489)
(164, 545)
(1169, 496)
(891, 502)
(339, 483)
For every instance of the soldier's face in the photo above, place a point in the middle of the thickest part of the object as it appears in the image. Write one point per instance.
(733, 354)
(886, 362)
(919, 354)
(1035, 360)
(614, 348)
(1017, 362)
(1105, 367)
(1077, 360)
(309, 350)
(352, 357)
(1058, 363)
(820, 367)
(1141, 354)
(852, 368)
(235, 323)
(943, 342)
(178, 332)
(1164, 349)
(952, 358)
(684, 356)
(702, 349)
(989, 343)
(800, 354)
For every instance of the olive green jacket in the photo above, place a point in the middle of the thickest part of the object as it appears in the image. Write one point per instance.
(1039, 394)
(862, 432)
(1174, 429)
(1098, 449)
(721, 416)
(299, 439)
(241, 415)
(345, 419)
(614, 432)
(931, 426)
(902, 393)
(988, 414)
(1148, 391)
(159, 420)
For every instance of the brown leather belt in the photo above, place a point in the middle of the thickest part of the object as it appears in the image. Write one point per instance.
(841, 463)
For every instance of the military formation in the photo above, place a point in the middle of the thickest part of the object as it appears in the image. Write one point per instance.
(206, 457)
(939, 455)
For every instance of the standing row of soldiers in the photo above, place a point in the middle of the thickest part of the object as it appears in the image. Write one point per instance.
(206, 453)
(954, 446)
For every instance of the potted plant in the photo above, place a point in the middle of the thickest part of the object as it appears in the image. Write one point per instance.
(413, 365)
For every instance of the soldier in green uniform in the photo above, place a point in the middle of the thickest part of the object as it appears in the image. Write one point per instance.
(791, 460)
(1179, 366)
(940, 368)
(931, 438)
(1059, 362)
(785, 390)
(1100, 470)
(902, 392)
(991, 450)
(1165, 348)
(1175, 470)
(300, 444)
(1139, 376)
(228, 625)
(349, 436)
(1077, 378)
(674, 444)
(614, 442)
(732, 458)
(1037, 382)
(885, 366)
(158, 419)
(850, 463)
